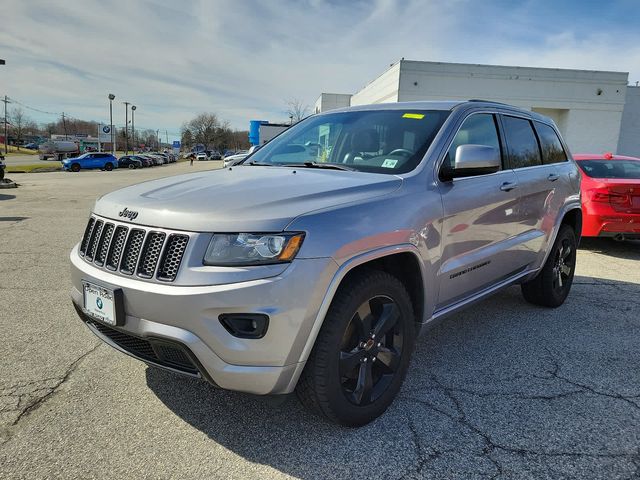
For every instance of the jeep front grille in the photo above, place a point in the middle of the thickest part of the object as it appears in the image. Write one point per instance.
(147, 253)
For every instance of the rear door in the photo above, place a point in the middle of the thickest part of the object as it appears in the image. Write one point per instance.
(481, 229)
(534, 154)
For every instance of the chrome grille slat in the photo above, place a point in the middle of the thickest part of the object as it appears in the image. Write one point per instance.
(103, 244)
(125, 249)
(150, 254)
(116, 248)
(131, 253)
(172, 257)
(96, 234)
(87, 235)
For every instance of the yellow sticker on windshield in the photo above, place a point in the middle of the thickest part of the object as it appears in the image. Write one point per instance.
(417, 116)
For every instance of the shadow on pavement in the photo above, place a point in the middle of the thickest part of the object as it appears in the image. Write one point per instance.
(6, 197)
(628, 249)
(503, 387)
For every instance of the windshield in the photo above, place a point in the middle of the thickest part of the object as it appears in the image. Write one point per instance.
(379, 141)
(629, 169)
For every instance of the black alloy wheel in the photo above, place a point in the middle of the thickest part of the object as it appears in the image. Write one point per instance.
(371, 349)
(363, 350)
(552, 285)
(563, 265)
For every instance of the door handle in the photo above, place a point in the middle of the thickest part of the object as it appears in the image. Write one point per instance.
(553, 177)
(508, 186)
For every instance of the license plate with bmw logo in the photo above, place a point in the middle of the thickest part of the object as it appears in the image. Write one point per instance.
(99, 302)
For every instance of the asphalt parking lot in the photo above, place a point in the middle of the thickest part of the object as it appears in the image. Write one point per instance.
(504, 390)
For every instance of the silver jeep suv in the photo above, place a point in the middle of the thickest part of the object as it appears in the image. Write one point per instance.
(314, 265)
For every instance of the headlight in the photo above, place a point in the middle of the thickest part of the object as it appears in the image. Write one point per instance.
(227, 249)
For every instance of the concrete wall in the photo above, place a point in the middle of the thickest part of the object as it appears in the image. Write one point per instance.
(629, 143)
(331, 101)
(383, 89)
(587, 105)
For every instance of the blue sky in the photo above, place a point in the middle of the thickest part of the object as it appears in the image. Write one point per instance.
(244, 59)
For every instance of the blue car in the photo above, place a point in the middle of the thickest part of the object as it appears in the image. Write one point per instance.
(103, 161)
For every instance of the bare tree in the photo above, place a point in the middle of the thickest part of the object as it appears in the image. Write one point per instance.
(19, 122)
(297, 109)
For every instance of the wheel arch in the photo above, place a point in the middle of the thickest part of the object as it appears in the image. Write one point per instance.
(573, 218)
(394, 260)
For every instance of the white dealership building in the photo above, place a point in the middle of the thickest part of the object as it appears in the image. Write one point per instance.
(596, 111)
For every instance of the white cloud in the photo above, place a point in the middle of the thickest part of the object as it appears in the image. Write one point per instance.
(243, 59)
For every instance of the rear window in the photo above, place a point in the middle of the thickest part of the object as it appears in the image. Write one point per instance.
(522, 142)
(626, 169)
(552, 151)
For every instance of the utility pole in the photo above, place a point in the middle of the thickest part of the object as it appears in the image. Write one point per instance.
(6, 148)
(158, 139)
(133, 129)
(126, 127)
(113, 145)
(166, 134)
(6, 138)
(64, 124)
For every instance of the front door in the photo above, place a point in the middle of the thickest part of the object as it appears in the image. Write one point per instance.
(481, 228)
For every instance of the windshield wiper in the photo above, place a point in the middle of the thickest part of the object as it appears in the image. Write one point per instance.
(260, 164)
(328, 166)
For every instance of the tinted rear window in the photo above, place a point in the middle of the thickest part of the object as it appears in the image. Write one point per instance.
(627, 169)
(522, 142)
(552, 151)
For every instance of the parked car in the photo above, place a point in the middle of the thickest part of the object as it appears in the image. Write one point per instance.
(610, 195)
(315, 273)
(2, 166)
(146, 162)
(214, 155)
(31, 146)
(201, 156)
(92, 160)
(129, 162)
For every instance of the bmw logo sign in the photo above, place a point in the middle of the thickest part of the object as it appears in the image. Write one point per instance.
(99, 303)
(106, 129)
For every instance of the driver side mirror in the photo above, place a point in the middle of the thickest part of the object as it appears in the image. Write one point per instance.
(473, 160)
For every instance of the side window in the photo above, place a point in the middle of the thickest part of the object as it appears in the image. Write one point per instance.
(552, 151)
(478, 129)
(522, 142)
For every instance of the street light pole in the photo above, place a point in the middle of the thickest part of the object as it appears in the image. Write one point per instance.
(133, 128)
(111, 99)
(126, 127)
(6, 148)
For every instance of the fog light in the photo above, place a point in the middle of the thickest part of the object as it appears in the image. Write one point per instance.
(245, 325)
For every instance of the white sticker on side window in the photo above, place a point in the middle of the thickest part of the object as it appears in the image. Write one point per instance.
(389, 163)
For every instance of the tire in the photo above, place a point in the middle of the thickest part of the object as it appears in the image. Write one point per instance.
(552, 285)
(350, 377)
(108, 166)
(1, 173)
(131, 166)
(75, 167)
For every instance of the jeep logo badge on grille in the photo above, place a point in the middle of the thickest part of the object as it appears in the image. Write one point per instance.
(130, 214)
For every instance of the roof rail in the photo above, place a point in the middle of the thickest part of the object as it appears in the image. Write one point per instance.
(488, 101)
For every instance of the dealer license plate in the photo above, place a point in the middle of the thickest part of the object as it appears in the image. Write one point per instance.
(99, 302)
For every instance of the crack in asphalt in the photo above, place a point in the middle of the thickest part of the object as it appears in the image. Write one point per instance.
(24, 401)
(491, 445)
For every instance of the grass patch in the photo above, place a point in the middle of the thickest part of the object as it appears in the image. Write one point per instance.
(13, 149)
(34, 168)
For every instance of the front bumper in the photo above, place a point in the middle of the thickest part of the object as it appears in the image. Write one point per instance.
(188, 316)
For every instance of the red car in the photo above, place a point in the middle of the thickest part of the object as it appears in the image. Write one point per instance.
(610, 195)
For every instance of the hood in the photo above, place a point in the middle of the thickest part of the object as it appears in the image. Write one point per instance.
(241, 199)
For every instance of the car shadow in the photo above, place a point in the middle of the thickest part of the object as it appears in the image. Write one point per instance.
(496, 371)
(627, 249)
(4, 196)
